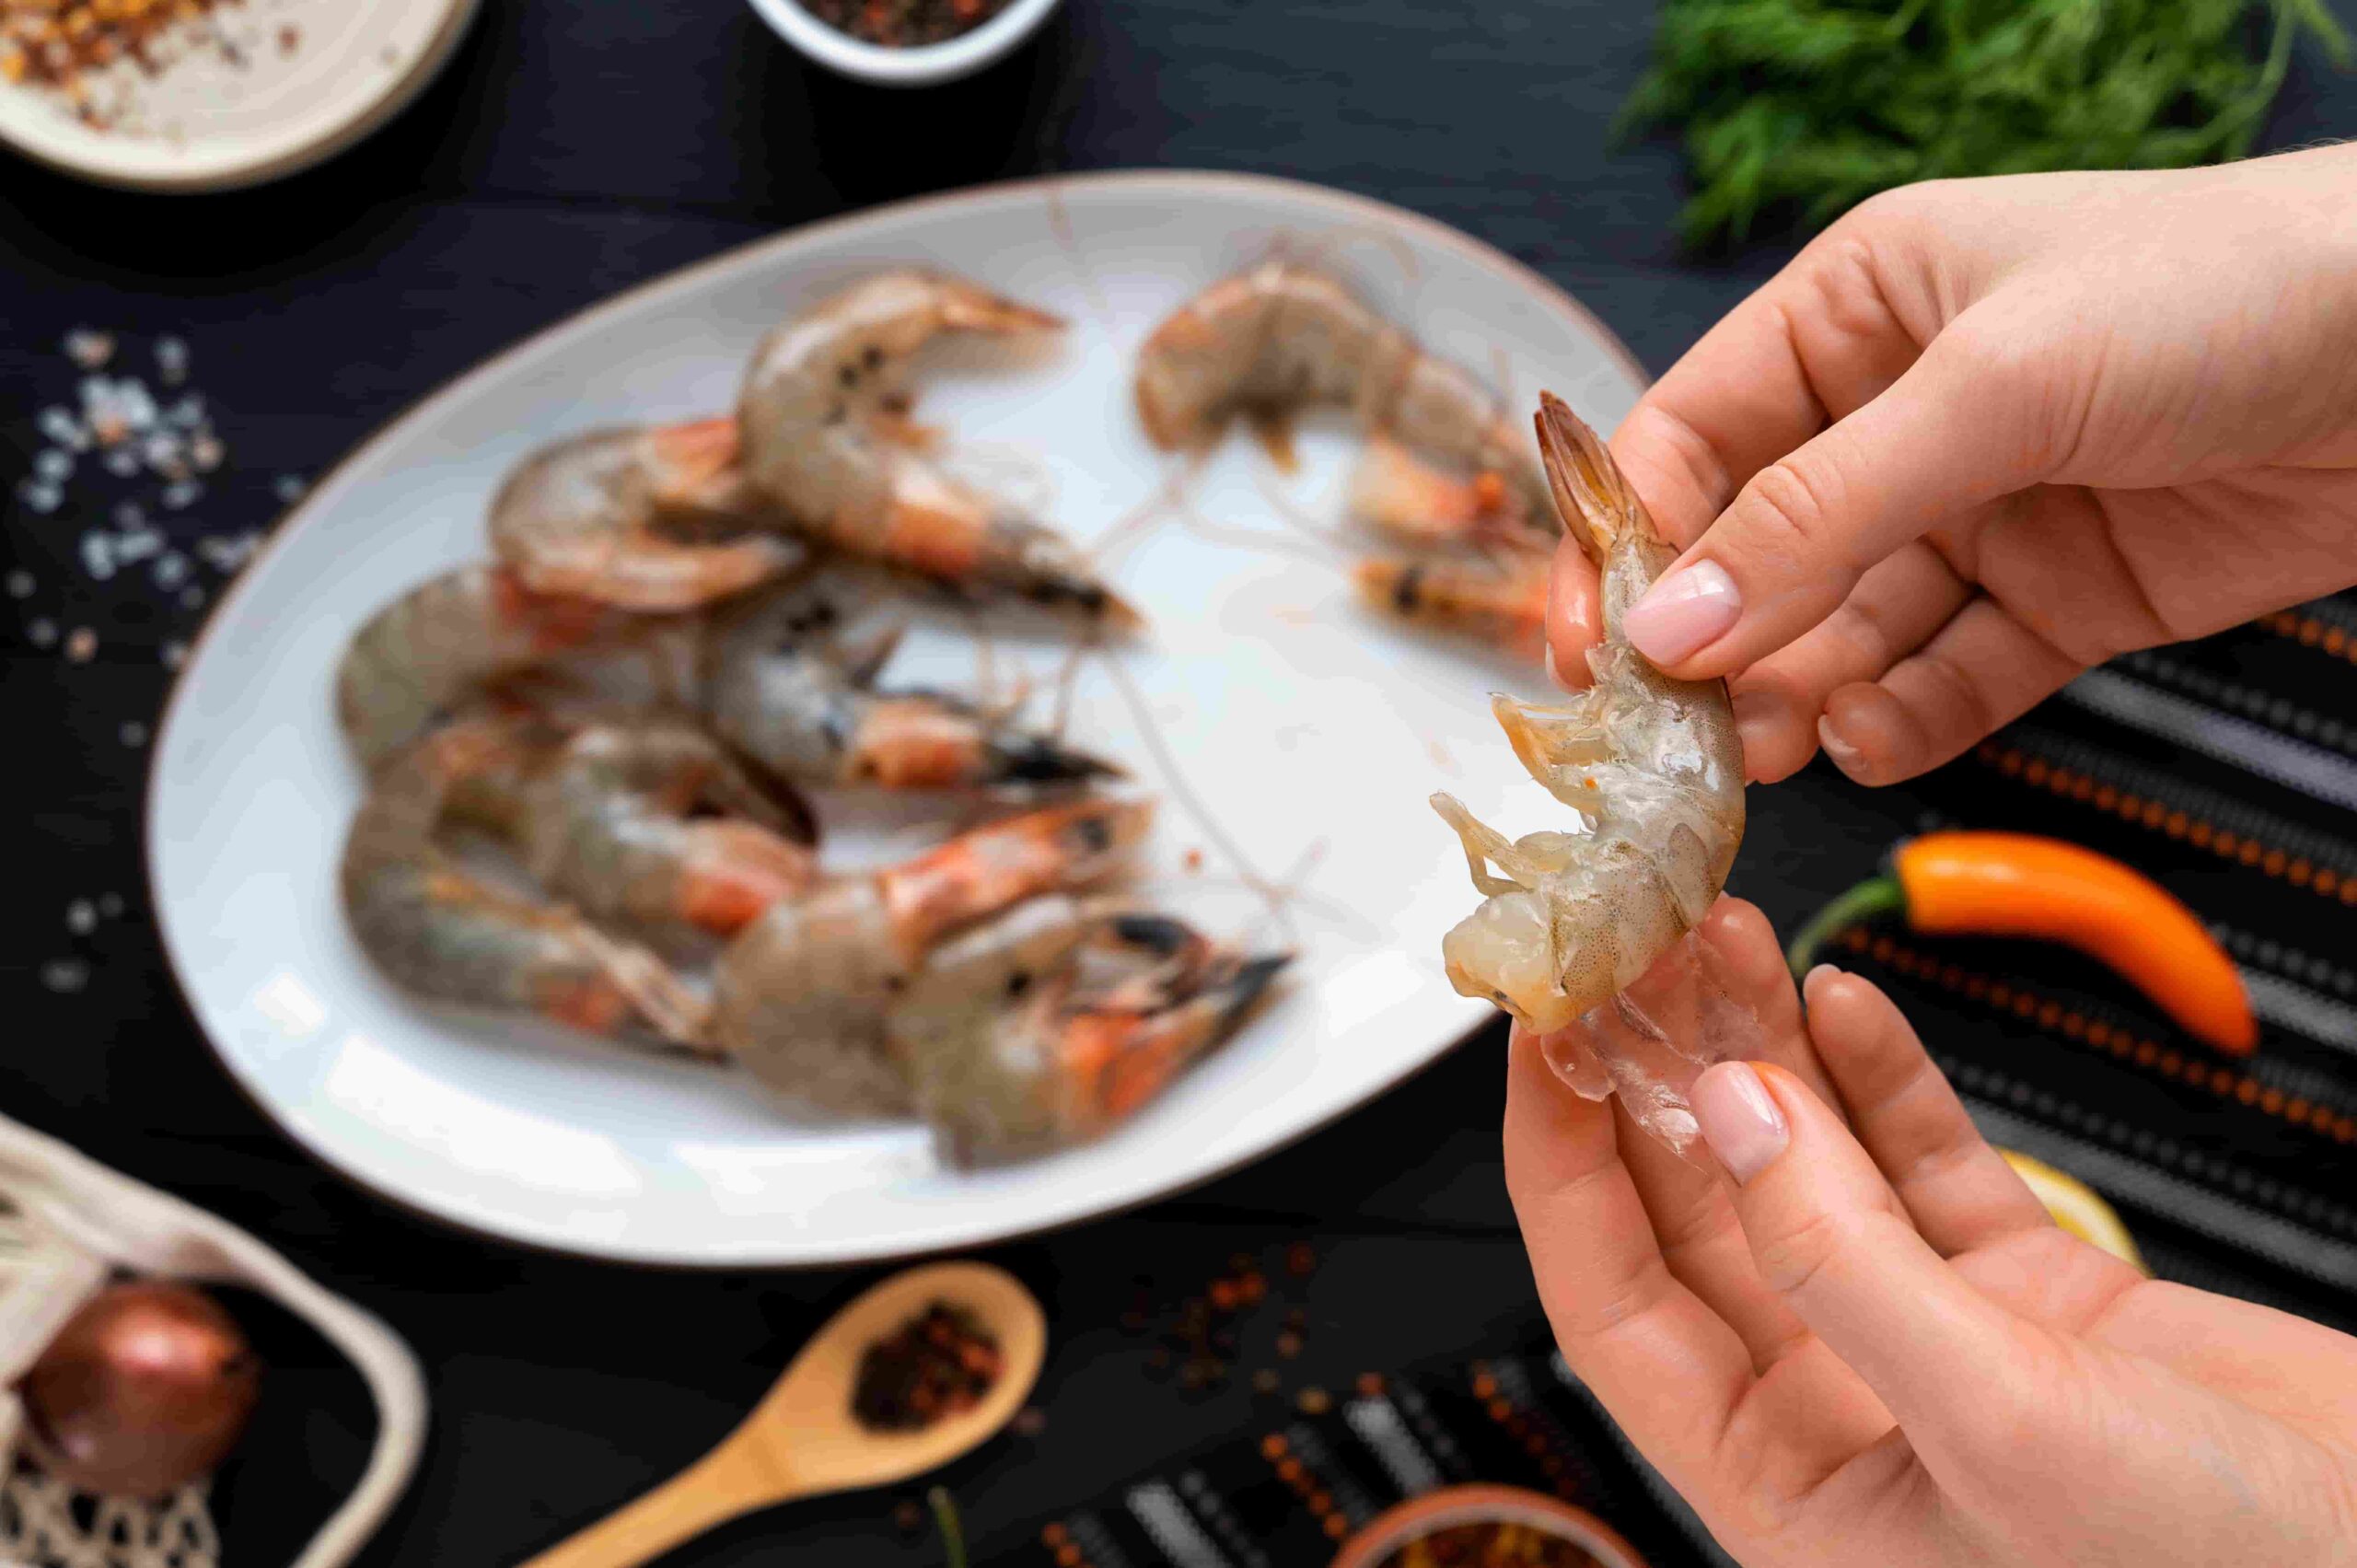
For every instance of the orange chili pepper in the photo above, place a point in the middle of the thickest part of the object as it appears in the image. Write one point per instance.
(1976, 884)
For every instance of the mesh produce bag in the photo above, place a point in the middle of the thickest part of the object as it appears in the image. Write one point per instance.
(67, 1224)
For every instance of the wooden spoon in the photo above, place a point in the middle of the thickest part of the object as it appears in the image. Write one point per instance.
(801, 1440)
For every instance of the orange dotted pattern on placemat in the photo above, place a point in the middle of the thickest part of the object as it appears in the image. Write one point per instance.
(2123, 1045)
(2159, 816)
(2310, 633)
(1526, 1433)
(1061, 1549)
(1304, 1483)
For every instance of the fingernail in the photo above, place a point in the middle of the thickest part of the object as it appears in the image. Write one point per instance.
(1739, 1120)
(1684, 613)
(1810, 979)
(1846, 757)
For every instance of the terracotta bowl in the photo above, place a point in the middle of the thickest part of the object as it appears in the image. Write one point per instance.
(1452, 1506)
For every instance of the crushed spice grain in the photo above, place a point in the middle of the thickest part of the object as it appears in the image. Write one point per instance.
(54, 43)
(937, 1364)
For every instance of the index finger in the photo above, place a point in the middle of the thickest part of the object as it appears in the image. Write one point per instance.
(1815, 343)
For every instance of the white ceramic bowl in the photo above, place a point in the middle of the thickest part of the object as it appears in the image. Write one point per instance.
(914, 67)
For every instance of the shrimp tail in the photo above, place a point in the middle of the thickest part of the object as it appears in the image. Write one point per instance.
(1591, 493)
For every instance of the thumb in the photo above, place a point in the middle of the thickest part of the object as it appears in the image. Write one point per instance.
(1959, 428)
(1829, 1234)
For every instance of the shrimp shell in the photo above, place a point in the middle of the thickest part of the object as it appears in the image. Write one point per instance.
(436, 928)
(623, 515)
(790, 682)
(426, 654)
(1053, 1024)
(1281, 337)
(1653, 766)
(801, 995)
(822, 423)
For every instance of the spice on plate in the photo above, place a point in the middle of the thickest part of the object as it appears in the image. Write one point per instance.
(51, 42)
(896, 24)
(1490, 1544)
(937, 1364)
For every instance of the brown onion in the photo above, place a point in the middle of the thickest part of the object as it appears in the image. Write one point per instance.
(146, 1389)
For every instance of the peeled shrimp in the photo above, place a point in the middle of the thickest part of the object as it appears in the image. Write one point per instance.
(648, 823)
(801, 995)
(426, 654)
(436, 928)
(819, 417)
(791, 684)
(660, 517)
(1052, 1024)
(1444, 462)
(1652, 765)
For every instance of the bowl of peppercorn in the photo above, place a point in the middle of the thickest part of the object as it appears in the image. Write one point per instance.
(904, 44)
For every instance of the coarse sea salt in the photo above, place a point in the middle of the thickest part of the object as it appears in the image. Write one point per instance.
(65, 976)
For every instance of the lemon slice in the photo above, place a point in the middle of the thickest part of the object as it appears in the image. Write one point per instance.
(2076, 1208)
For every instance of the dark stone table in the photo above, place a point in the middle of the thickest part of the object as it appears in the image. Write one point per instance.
(574, 149)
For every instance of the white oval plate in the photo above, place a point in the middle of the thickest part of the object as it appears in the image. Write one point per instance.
(259, 90)
(1305, 733)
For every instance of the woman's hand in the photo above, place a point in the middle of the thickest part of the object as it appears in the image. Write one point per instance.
(1874, 1347)
(1982, 434)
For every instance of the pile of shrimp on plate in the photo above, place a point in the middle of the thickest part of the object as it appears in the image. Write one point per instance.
(684, 629)
(746, 578)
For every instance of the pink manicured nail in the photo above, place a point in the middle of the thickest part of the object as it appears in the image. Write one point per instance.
(1684, 613)
(1739, 1120)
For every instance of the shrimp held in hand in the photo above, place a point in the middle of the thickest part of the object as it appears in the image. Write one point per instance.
(653, 519)
(818, 415)
(1654, 765)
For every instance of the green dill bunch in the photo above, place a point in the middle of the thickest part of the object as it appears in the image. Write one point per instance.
(1805, 108)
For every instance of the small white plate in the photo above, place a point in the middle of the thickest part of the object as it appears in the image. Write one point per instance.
(252, 91)
(1305, 732)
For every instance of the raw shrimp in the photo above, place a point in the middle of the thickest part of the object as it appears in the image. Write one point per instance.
(1501, 600)
(649, 823)
(820, 414)
(790, 682)
(654, 519)
(422, 656)
(800, 996)
(1051, 1025)
(1444, 462)
(436, 928)
(1652, 764)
